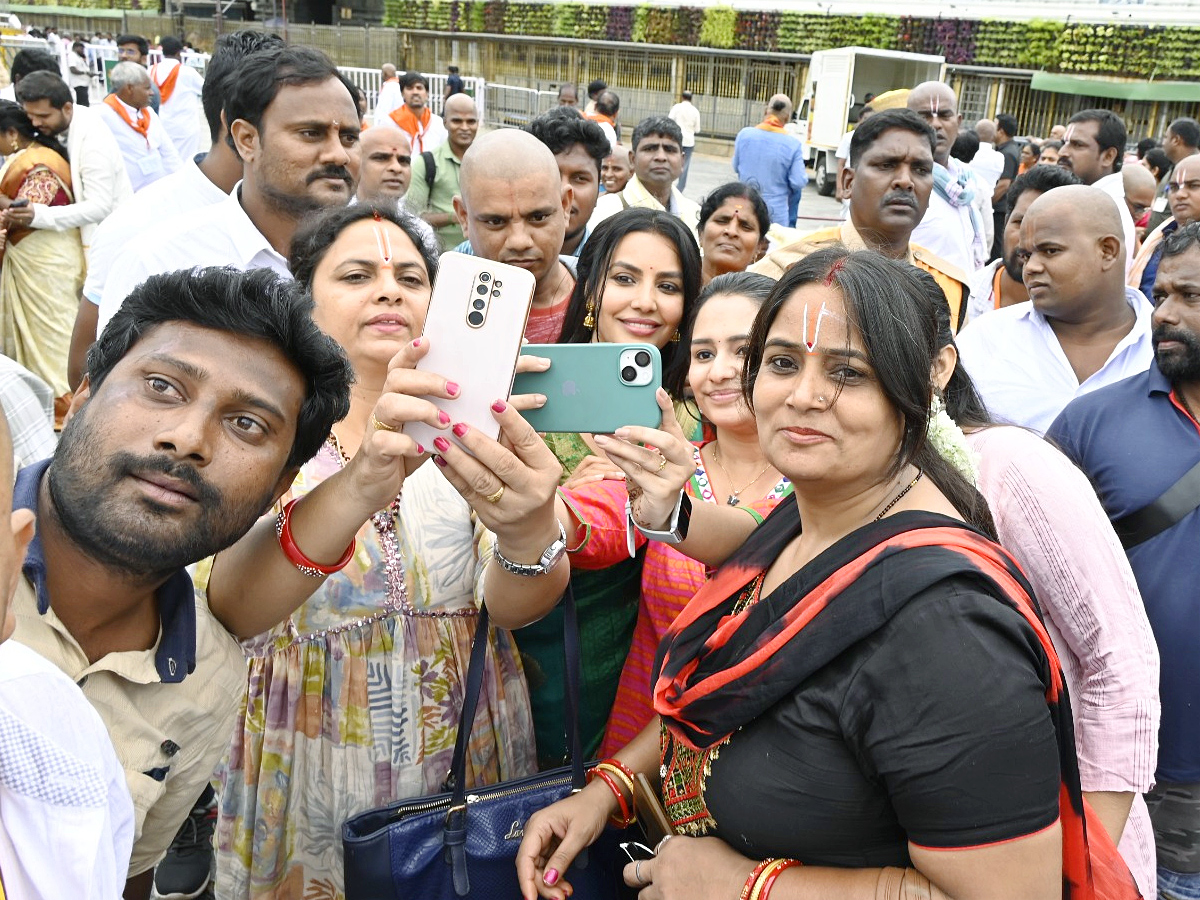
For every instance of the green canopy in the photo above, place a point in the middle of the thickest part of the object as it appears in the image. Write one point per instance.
(1121, 90)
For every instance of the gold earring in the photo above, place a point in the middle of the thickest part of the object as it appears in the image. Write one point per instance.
(589, 321)
(675, 337)
(13, 146)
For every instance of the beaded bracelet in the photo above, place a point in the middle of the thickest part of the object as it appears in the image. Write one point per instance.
(625, 807)
(766, 880)
(283, 528)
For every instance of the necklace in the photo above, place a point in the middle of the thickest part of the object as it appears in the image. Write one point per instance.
(733, 499)
(899, 496)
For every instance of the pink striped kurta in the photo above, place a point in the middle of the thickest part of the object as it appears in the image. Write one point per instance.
(669, 581)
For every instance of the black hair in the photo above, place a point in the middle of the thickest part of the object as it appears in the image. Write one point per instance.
(1158, 159)
(563, 127)
(408, 79)
(608, 103)
(740, 284)
(453, 70)
(1144, 146)
(1007, 123)
(78, 47)
(660, 126)
(1181, 240)
(171, 45)
(1051, 145)
(262, 75)
(143, 45)
(1187, 130)
(1040, 179)
(1035, 148)
(736, 190)
(317, 234)
(1110, 132)
(871, 130)
(962, 400)
(897, 322)
(685, 95)
(13, 116)
(29, 60)
(226, 61)
(965, 146)
(45, 86)
(254, 304)
(596, 256)
(596, 86)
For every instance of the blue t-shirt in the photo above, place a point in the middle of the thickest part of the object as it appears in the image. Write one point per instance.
(1134, 442)
(773, 163)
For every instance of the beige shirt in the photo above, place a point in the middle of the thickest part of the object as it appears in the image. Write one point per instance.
(636, 195)
(176, 731)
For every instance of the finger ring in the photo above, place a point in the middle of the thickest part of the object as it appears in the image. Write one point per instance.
(637, 873)
(658, 847)
(380, 426)
(495, 496)
(662, 462)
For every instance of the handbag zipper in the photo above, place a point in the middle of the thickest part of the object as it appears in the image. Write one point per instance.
(476, 798)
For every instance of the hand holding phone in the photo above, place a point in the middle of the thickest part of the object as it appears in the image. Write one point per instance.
(19, 203)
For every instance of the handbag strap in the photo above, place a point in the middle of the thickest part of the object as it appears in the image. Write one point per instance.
(1157, 516)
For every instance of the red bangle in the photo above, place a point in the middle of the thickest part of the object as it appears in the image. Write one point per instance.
(617, 764)
(769, 880)
(627, 816)
(283, 528)
(753, 878)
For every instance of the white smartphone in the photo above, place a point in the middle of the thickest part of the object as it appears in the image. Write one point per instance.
(475, 325)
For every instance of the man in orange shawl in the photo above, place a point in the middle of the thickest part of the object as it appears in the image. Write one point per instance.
(423, 127)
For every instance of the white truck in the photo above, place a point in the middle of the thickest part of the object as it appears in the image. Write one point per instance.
(838, 82)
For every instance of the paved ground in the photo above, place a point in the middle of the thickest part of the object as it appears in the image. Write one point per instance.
(708, 172)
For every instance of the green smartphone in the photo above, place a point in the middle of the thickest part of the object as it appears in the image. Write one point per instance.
(593, 388)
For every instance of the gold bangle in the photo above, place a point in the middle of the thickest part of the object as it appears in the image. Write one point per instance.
(625, 781)
(762, 877)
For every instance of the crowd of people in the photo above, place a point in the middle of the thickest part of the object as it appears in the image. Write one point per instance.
(241, 599)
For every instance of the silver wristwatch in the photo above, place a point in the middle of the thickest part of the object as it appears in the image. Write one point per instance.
(549, 559)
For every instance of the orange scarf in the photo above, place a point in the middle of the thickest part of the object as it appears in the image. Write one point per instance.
(771, 123)
(143, 122)
(166, 87)
(600, 117)
(414, 127)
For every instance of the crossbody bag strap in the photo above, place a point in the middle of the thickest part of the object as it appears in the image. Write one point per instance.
(1157, 516)
(430, 169)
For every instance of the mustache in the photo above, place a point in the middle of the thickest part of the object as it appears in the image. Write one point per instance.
(330, 172)
(127, 463)
(1163, 333)
(899, 197)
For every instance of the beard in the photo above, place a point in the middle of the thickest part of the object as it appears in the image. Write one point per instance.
(1178, 365)
(1013, 267)
(131, 534)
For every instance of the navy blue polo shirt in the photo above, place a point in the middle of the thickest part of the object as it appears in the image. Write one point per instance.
(1134, 440)
(175, 657)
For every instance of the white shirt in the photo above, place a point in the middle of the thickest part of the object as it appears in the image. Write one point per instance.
(1114, 186)
(1022, 373)
(389, 99)
(148, 158)
(29, 408)
(687, 117)
(166, 204)
(988, 163)
(66, 817)
(947, 230)
(79, 75)
(98, 177)
(182, 116)
(221, 234)
(843, 147)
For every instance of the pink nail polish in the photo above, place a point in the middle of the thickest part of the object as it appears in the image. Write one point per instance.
(441, 443)
(416, 343)
(441, 462)
(452, 388)
(443, 417)
(499, 406)
(420, 449)
(460, 429)
(551, 877)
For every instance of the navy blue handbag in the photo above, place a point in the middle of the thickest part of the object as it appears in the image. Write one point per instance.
(464, 844)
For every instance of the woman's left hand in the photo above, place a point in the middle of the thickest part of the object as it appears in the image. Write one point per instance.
(690, 869)
(510, 483)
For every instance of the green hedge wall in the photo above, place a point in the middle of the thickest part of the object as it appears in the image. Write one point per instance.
(1124, 50)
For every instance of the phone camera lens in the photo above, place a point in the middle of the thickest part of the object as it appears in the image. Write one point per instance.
(499, 284)
(642, 358)
(484, 276)
(481, 289)
(478, 304)
(475, 318)
(629, 373)
(495, 293)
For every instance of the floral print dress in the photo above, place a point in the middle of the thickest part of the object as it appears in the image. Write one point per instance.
(354, 701)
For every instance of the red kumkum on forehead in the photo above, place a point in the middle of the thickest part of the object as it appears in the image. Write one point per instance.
(384, 242)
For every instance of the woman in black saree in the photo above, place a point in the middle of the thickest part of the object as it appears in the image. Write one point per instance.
(868, 707)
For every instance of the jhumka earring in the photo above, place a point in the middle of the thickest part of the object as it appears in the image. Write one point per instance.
(675, 337)
(589, 321)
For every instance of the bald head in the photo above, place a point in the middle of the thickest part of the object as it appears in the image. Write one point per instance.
(986, 129)
(1074, 249)
(936, 103)
(461, 121)
(388, 71)
(1140, 188)
(386, 164)
(513, 205)
(780, 106)
(458, 103)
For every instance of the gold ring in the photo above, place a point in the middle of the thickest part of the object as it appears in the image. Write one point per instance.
(662, 463)
(496, 495)
(380, 426)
